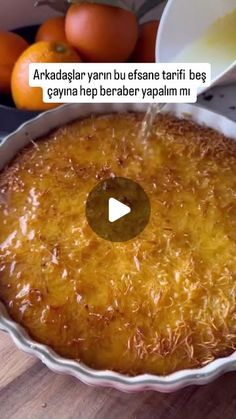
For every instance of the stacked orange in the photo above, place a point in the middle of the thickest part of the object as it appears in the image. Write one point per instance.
(91, 32)
(11, 46)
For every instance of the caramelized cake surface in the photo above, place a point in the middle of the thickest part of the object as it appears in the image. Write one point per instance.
(158, 303)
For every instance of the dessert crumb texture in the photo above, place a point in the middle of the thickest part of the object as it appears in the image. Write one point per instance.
(162, 302)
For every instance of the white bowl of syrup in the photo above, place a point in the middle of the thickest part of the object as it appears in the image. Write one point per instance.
(200, 32)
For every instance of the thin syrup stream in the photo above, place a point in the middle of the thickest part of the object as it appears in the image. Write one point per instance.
(153, 110)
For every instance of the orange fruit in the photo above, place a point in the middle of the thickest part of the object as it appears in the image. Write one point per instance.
(30, 98)
(52, 30)
(145, 48)
(11, 47)
(101, 33)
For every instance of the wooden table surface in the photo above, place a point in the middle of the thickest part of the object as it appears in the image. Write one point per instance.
(28, 390)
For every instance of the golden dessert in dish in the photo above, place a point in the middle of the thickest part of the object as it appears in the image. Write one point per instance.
(161, 302)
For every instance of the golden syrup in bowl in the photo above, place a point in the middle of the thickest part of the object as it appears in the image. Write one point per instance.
(217, 46)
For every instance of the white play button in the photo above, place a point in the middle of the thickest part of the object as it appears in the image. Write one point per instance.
(117, 210)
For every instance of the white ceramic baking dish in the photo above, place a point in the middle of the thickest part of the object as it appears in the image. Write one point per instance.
(8, 149)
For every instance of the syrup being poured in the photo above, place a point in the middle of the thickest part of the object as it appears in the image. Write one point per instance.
(217, 46)
(147, 124)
